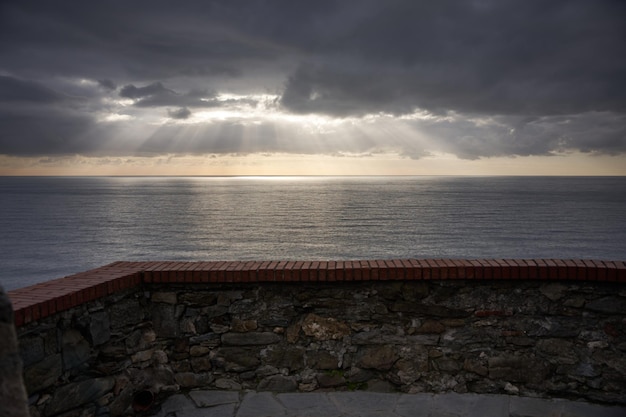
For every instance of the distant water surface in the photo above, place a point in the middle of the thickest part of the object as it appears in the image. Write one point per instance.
(51, 227)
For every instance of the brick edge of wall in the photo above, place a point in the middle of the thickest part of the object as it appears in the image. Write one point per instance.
(45, 299)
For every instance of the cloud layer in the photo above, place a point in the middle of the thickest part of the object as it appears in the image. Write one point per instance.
(474, 78)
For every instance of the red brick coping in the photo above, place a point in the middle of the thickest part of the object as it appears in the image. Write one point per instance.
(47, 298)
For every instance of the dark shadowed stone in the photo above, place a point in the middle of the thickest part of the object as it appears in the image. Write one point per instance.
(428, 309)
(321, 359)
(266, 370)
(200, 299)
(291, 357)
(165, 320)
(243, 326)
(201, 364)
(192, 380)
(250, 339)
(476, 366)
(447, 365)
(377, 385)
(215, 311)
(13, 398)
(125, 313)
(377, 357)
(227, 297)
(561, 348)
(553, 291)
(228, 384)
(431, 326)
(237, 359)
(31, 349)
(415, 290)
(377, 337)
(278, 383)
(77, 394)
(329, 380)
(560, 327)
(518, 369)
(608, 305)
(358, 375)
(207, 339)
(99, 328)
(76, 349)
(164, 297)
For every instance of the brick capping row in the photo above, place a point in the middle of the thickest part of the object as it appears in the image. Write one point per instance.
(44, 299)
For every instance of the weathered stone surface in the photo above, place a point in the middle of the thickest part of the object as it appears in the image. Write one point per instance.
(198, 298)
(433, 310)
(377, 337)
(290, 357)
(342, 337)
(142, 356)
(553, 291)
(608, 305)
(476, 366)
(201, 364)
(193, 380)
(239, 359)
(76, 349)
(31, 349)
(207, 339)
(377, 357)
(165, 320)
(213, 398)
(330, 380)
(77, 394)
(228, 384)
(99, 328)
(199, 350)
(257, 404)
(243, 326)
(321, 359)
(561, 348)
(556, 327)
(278, 383)
(164, 297)
(518, 369)
(13, 399)
(324, 328)
(431, 326)
(250, 339)
(215, 311)
(125, 313)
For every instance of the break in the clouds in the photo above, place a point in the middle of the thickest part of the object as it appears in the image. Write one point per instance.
(475, 78)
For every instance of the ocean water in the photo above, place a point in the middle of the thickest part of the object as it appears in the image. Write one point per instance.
(52, 227)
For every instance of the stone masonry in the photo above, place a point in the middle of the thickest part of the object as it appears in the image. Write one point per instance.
(550, 339)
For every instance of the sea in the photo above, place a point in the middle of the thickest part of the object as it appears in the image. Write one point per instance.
(52, 227)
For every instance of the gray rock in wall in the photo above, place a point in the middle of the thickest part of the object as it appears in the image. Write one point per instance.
(76, 394)
(250, 339)
(76, 349)
(43, 374)
(13, 400)
(99, 328)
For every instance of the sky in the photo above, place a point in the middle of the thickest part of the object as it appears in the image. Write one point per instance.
(325, 87)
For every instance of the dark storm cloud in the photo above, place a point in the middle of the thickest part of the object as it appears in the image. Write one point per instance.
(16, 90)
(157, 95)
(503, 57)
(551, 73)
(107, 84)
(182, 113)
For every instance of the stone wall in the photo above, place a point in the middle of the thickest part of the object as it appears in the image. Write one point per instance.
(12, 395)
(562, 339)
